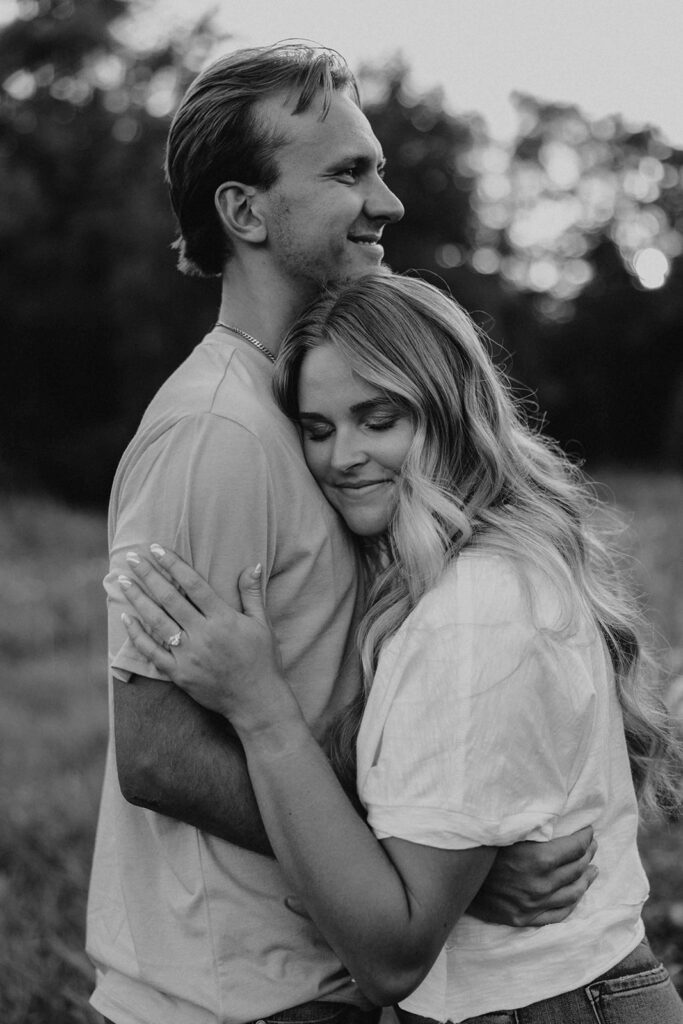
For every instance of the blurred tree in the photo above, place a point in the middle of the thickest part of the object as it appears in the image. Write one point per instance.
(93, 310)
(432, 166)
(95, 313)
(570, 242)
(582, 221)
(425, 148)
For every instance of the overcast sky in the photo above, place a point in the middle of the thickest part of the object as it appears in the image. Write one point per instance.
(608, 56)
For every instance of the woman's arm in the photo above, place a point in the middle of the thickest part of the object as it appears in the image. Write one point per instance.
(386, 908)
(229, 662)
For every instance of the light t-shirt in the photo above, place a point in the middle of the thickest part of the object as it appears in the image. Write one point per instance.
(488, 723)
(183, 927)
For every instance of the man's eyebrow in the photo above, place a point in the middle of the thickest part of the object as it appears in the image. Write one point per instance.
(358, 160)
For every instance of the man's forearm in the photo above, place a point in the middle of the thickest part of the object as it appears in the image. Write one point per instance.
(178, 759)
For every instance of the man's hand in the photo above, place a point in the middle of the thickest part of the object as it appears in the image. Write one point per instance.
(532, 884)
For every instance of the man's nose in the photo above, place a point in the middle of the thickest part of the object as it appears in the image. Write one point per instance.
(382, 204)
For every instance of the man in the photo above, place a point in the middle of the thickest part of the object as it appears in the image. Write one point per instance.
(277, 181)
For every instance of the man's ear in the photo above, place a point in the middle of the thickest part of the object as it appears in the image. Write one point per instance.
(240, 216)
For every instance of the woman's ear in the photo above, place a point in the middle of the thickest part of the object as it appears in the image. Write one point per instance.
(239, 214)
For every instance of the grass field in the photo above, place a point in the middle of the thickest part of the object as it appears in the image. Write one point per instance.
(53, 733)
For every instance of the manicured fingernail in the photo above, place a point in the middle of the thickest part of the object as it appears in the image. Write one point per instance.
(125, 582)
(256, 572)
(157, 550)
(132, 558)
(126, 619)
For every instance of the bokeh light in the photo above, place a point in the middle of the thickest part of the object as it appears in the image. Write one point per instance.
(652, 267)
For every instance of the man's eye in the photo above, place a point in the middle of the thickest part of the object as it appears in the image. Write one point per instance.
(348, 172)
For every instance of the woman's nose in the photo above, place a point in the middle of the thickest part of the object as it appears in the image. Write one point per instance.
(347, 452)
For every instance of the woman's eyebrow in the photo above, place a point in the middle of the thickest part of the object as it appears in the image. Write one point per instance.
(372, 403)
(359, 408)
(312, 416)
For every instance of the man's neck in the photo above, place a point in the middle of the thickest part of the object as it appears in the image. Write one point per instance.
(265, 309)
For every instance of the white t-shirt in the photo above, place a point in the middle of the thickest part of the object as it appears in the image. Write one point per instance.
(490, 721)
(183, 927)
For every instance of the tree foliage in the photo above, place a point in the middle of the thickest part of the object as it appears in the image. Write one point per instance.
(425, 147)
(586, 221)
(94, 311)
(545, 240)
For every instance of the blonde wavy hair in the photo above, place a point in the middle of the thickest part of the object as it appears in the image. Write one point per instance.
(476, 474)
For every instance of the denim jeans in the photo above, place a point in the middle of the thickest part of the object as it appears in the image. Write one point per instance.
(322, 1013)
(637, 990)
(317, 1013)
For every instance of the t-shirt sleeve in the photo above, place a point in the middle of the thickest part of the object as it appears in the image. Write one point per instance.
(481, 732)
(202, 489)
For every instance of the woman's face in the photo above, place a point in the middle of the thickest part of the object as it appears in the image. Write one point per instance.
(355, 440)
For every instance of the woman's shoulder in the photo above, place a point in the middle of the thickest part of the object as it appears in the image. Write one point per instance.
(482, 585)
(481, 578)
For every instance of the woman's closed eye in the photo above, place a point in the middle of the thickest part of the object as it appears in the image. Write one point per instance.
(381, 422)
(316, 431)
(322, 431)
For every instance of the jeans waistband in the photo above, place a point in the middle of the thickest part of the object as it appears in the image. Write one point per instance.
(321, 1012)
(641, 959)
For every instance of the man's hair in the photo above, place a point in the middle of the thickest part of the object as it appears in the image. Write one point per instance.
(216, 136)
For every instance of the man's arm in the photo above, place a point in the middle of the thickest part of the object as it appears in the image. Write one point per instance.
(178, 759)
(173, 756)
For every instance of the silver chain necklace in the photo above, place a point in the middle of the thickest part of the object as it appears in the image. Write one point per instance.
(247, 337)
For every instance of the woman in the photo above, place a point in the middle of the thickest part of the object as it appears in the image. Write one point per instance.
(505, 691)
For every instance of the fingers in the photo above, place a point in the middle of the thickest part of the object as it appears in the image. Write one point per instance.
(572, 848)
(573, 871)
(162, 591)
(154, 617)
(562, 903)
(547, 917)
(561, 887)
(578, 867)
(550, 909)
(567, 896)
(251, 593)
(199, 592)
(147, 646)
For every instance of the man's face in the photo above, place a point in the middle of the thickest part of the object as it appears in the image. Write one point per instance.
(326, 212)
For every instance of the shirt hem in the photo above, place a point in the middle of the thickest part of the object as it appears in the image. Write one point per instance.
(510, 1001)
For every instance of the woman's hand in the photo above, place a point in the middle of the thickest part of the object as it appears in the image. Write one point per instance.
(227, 661)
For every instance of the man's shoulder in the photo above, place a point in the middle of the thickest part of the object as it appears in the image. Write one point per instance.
(216, 379)
(217, 412)
(216, 390)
